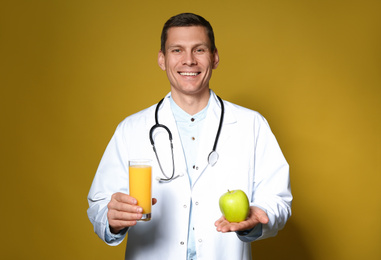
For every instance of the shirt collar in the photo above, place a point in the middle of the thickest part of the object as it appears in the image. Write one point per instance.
(183, 117)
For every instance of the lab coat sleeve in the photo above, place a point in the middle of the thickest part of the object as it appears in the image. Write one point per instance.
(114, 238)
(271, 189)
(250, 235)
(111, 177)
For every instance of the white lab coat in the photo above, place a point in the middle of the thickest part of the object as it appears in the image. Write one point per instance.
(249, 159)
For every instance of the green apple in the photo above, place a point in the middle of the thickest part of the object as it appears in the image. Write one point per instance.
(234, 205)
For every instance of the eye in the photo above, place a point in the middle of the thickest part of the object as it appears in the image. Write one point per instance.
(200, 50)
(176, 50)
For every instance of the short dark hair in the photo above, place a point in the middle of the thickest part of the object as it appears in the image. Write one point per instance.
(186, 20)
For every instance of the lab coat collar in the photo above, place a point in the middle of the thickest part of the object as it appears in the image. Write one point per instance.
(215, 106)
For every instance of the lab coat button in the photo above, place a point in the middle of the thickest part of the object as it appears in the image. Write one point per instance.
(185, 206)
(200, 240)
(181, 243)
(196, 203)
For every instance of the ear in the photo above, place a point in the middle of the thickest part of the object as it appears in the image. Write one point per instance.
(216, 59)
(161, 60)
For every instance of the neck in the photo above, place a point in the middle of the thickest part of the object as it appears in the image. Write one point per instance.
(192, 104)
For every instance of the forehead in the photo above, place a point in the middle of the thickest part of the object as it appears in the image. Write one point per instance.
(191, 35)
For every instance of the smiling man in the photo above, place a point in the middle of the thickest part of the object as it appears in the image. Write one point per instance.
(186, 221)
(188, 59)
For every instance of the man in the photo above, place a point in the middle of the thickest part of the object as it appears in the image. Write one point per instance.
(186, 221)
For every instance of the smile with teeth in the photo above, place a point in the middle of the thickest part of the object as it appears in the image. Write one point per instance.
(189, 73)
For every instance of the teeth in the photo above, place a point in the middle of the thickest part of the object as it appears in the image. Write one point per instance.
(188, 73)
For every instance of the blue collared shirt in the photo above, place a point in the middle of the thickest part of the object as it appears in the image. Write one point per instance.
(189, 127)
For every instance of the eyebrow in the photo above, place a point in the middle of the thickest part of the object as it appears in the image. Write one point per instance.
(194, 46)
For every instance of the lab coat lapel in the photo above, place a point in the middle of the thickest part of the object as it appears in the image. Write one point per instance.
(209, 132)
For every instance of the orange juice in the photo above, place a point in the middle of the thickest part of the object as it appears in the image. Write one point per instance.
(140, 187)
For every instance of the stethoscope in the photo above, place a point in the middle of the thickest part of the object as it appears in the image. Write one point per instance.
(213, 155)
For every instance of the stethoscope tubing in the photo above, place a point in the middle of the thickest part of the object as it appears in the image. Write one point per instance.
(213, 156)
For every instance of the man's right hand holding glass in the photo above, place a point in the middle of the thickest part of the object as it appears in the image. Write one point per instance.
(123, 212)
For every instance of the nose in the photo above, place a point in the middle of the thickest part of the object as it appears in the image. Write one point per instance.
(189, 59)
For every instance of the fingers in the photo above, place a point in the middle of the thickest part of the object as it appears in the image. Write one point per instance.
(122, 197)
(226, 226)
(123, 212)
(222, 225)
(120, 220)
(219, 221)
(124, 203)
(256, 216)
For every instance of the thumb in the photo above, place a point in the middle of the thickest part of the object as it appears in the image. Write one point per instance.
(264, 219)
(262, 216)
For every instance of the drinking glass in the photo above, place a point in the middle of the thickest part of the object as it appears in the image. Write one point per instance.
(140, 176)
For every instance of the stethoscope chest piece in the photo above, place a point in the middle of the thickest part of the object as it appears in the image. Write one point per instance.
(213, 158)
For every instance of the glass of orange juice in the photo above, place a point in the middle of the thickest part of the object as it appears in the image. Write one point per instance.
(140, 176)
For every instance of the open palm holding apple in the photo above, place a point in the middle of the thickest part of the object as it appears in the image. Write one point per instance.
(237, 214)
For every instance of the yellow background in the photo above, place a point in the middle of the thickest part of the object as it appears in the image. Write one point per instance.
(72, 70)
